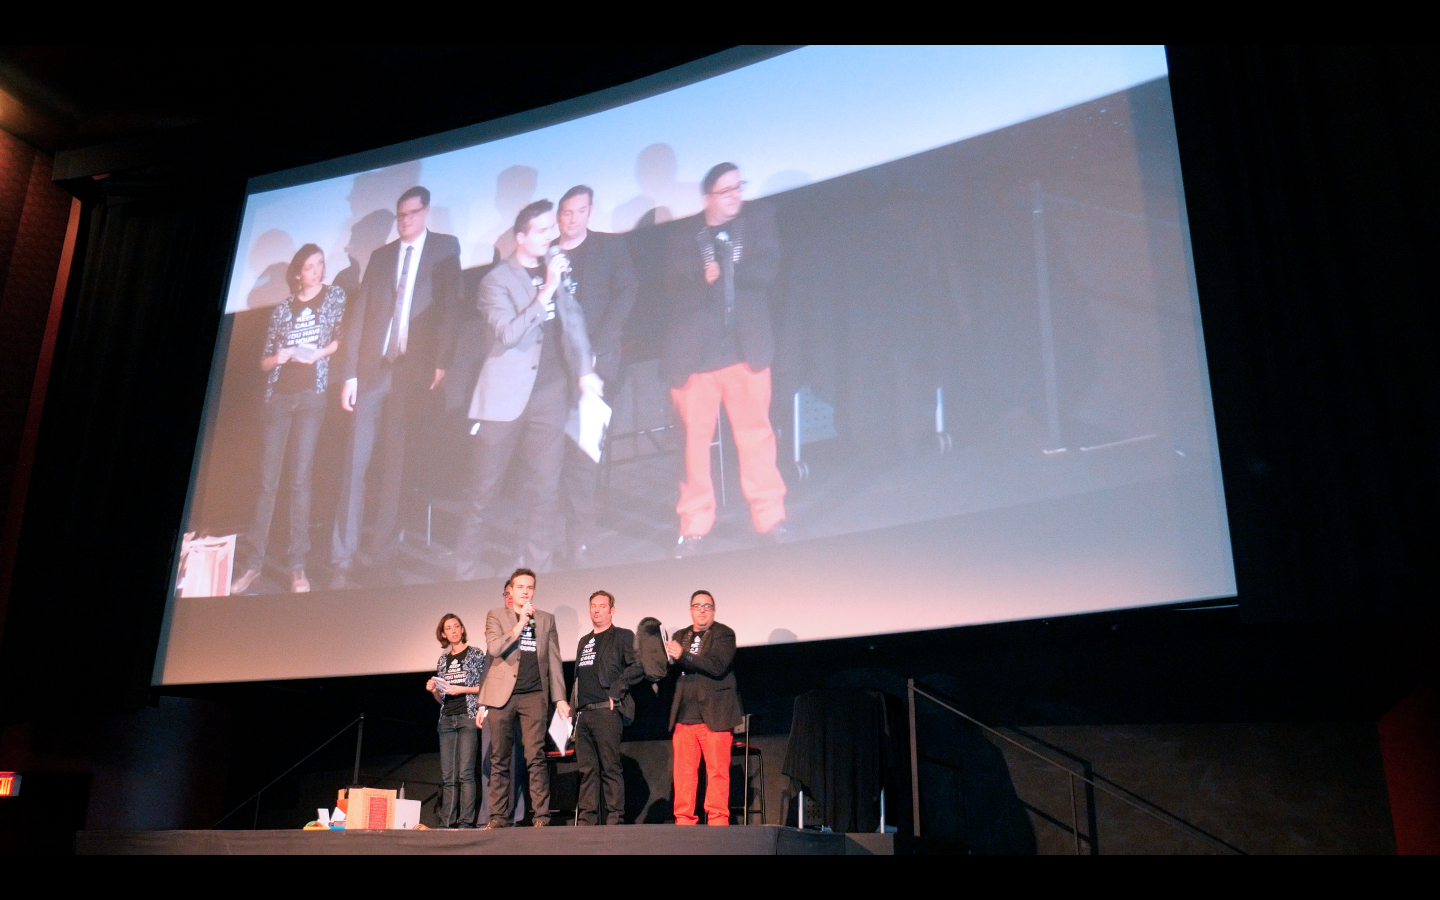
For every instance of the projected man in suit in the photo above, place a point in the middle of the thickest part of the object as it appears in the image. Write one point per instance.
(705, 711)
(605, 286)
(523, 679)
(718, 349)
(538, 358)
(392, 356)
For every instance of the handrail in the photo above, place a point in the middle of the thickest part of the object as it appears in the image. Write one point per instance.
(1160, 815)
(359, 719)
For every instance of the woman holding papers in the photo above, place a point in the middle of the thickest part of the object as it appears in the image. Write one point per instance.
(456, 687)
(304, 332)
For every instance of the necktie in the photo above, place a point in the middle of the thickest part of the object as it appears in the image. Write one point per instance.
(397, 321)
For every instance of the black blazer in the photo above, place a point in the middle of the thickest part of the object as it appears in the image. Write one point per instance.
(712, 670)
(434, 308)
(618, 671)
(690, 298)
(605, 275)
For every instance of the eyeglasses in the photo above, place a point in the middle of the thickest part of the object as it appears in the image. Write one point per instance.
(702, 606)
(730, 191)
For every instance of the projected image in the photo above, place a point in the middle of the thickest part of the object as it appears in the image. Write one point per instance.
(588, 380)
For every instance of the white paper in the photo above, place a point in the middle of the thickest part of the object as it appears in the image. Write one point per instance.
(305, 353)
(407, 813)
(587, 423)
(324, 817)
(337, 816)
(559, 730)
(442, 687)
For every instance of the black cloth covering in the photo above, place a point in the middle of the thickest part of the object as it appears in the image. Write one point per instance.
(842, 752)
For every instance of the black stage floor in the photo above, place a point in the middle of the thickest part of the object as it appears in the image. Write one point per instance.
(735, 840)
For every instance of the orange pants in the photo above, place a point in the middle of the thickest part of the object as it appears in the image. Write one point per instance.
(746, 396)
(689, 744)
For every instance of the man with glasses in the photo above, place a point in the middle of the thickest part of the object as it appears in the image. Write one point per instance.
(718, 349)
(393, 356)
(705, 711)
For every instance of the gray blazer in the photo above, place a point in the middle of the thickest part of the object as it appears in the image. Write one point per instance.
(504, 655)
(507, 300)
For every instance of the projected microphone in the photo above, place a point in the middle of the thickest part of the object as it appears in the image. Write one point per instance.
(565, 278)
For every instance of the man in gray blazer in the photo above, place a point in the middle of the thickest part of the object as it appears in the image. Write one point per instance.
(524, 677)
(539, 357)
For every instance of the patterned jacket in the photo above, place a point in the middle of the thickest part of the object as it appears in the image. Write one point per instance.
(332, 311)
(474, 667)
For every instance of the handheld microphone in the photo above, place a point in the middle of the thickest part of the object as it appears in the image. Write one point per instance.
(565, 277)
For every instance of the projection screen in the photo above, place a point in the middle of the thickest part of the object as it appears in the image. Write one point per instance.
(952, 347)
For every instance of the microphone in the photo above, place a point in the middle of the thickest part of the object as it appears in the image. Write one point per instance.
(565, 278)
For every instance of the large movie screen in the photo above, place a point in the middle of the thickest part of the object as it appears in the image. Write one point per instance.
(860, 340)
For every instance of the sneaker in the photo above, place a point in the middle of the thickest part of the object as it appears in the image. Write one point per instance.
(299, 584)
(242, 584)
(687, 545)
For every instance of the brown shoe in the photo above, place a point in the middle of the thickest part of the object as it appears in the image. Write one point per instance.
(241, 584)
(299, 584)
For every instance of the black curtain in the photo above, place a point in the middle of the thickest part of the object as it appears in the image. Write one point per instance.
(1311, 184)
(117, 442)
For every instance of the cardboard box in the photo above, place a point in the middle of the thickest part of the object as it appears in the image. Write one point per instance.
(368, 808)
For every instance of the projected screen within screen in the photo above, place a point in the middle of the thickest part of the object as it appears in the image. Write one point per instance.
(858, 340)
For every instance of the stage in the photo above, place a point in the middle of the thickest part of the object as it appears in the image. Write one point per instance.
(655, 840)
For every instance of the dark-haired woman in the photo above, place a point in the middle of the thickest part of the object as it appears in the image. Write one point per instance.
(456, 687)
(304, 332)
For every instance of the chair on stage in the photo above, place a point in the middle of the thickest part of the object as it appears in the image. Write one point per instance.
(743, 745)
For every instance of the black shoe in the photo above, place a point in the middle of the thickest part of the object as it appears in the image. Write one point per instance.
(778, 534)
(687, 545)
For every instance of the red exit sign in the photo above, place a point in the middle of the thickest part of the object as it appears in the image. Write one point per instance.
(9, 784)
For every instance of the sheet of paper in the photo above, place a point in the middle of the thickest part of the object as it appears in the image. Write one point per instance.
(305, 353)
(442, 687)
(587, 423)
(559, 730)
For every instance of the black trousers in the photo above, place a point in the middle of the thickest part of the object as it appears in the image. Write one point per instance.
(528, 712)
(577, 488)
(597, 756)
(535, 443)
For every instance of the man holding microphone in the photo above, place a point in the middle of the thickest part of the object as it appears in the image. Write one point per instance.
(524, 678)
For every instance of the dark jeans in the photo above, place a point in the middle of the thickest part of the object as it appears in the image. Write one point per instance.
(293, 421)
(458, 740)
(529, 713)
(536, 443)
(597, 755)
(578, 484)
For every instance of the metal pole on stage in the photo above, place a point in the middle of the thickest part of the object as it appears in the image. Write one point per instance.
(359, 742)
(914, 763)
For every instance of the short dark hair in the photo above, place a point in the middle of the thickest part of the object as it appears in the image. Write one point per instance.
(528, 214)
(297, 262)
(440, 630)
(416, 191)
(576, 191)
(516, 574)
(707, 184)
(706, 593)
(607, 595)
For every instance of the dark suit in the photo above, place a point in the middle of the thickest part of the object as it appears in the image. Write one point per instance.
(606, 288)
(388, 392)
(708, 678)
(530, 711)
(521, 406)
(598, 729)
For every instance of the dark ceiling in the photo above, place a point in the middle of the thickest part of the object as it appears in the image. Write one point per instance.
(329, 100)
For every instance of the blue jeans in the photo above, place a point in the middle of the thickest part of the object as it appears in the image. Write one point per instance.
(459, 739)
(293, 421)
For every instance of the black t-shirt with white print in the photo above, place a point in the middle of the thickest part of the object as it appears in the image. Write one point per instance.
(587, 677)
(689, 713)
(297, 377)
(455, 674)
(527, 681)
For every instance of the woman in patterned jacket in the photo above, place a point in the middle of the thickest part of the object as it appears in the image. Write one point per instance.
(304, 332)
(456, 687)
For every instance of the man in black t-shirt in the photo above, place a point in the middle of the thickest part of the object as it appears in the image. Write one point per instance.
(705, 711)
(538, 360)
(606, 668)
(524, 678)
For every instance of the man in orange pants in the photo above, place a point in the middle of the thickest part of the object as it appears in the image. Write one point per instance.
(718, 349)
(705, 711)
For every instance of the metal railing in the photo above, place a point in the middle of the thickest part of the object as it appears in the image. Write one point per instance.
(1160, 815)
